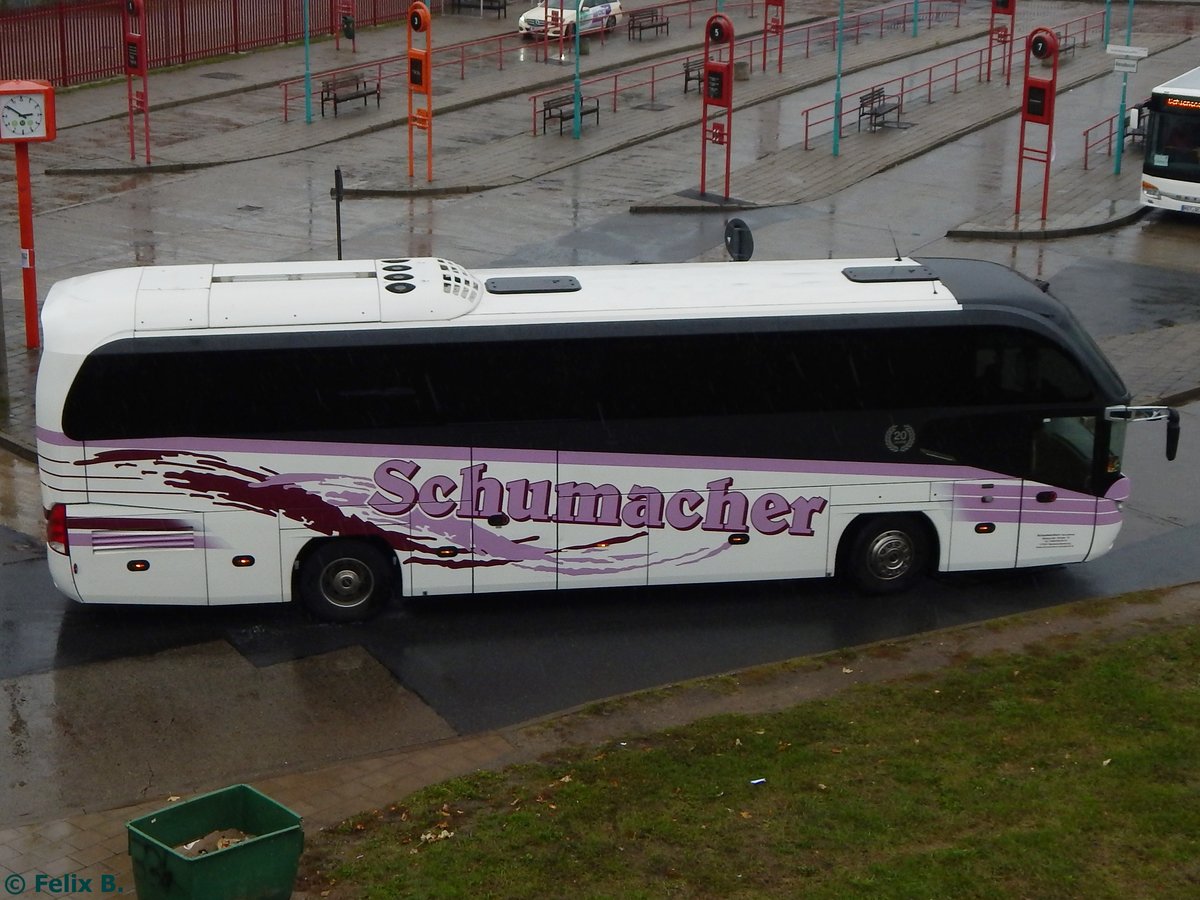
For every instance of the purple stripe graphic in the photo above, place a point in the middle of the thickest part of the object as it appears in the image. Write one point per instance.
(203, 446)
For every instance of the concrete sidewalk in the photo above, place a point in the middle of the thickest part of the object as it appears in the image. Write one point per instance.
(245, 122)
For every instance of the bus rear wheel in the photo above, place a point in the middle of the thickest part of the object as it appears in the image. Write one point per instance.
(345, 581)
(886, 554)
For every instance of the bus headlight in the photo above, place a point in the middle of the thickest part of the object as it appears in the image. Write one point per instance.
(1150, 190)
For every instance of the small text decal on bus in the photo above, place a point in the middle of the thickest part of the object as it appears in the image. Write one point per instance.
(476, 495)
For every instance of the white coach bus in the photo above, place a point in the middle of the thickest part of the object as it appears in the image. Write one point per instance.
(342, 432)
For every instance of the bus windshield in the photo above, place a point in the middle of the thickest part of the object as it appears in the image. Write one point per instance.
(1171, 170)
(1173, 144)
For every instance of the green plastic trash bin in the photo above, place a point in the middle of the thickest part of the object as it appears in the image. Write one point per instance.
(261, 866)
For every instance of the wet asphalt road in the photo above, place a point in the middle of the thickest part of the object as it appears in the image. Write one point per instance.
(484, 662)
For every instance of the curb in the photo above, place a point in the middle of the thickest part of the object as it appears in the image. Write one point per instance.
(17, 447)
(986, 232)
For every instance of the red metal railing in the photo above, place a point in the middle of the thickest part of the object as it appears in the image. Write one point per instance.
(942, 75)
(1104, 137)
(395, 68)
(894, 17)
(1108, 135)
(73, 43)
(487, 52)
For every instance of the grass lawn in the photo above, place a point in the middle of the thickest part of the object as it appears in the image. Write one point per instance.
(1065, 772)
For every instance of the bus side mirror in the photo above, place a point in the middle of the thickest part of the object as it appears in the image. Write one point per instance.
(1149, 414)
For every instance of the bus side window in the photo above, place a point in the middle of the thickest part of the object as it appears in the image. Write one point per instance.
(996, 441)
(1063, 452)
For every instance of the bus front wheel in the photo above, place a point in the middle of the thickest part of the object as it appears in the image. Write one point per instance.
(345, 580)
(886, 554)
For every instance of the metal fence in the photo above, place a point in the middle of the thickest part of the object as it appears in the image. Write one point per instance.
(77, 42)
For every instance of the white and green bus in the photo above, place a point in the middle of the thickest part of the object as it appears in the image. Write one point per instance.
(1171, 167)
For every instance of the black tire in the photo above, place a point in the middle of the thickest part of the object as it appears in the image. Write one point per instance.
(569, 33)
(345, 581)
(886, 554)
(611, 24)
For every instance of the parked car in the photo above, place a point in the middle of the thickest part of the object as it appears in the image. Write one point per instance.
(552, 19)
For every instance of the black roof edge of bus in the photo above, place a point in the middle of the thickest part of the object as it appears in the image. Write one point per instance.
(972, 283)
(977, 281)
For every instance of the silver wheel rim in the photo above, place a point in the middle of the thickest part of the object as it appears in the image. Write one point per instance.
(347, 583)
(890, 555)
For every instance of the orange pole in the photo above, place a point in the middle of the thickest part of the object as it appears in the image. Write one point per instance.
(28, 272)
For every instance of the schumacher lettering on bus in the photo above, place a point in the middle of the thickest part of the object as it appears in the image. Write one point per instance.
(480, 496)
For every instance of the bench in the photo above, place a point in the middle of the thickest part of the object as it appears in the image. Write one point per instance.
(642, 20)
(563, 109)
(693, 70)
(875, 106)
(500, 6)
(350, 86)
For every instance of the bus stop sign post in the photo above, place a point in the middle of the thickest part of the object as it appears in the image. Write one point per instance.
(1037, 108)
(1003, 36)
(133, 15)
(773, 24)
(1124, 91)
(420, 81)
(717, 90)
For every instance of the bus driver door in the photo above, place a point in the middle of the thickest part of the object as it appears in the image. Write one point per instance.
(1058, 506)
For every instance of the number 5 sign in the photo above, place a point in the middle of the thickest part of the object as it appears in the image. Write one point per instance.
(717, 90)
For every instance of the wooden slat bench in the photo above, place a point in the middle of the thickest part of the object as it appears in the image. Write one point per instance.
(563, 109)
(642, 20)
(875, 106)
(693, 70)
(348, 86)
